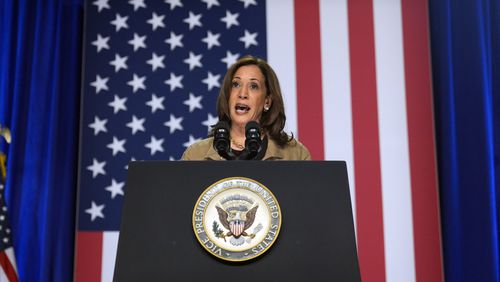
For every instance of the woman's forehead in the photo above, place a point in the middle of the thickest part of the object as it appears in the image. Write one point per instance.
(249, 72)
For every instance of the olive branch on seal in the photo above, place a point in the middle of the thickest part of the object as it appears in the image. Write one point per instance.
(219, 233)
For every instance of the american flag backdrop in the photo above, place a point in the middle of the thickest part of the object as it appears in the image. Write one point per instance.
(356, 79)
(8, 268)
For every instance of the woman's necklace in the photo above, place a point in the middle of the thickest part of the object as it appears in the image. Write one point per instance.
(238, 145)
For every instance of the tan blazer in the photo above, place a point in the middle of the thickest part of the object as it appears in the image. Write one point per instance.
(204, 150)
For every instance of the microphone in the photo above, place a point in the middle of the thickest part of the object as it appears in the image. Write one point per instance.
(221, 140)
(252, 142)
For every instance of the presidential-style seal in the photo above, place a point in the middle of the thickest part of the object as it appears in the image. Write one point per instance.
(237, 219)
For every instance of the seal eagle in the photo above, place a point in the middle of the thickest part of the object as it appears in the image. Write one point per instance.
(237, 222)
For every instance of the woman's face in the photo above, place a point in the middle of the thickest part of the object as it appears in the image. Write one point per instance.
(248, 95)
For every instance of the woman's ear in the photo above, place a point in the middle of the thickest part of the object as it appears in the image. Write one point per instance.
(267, 104)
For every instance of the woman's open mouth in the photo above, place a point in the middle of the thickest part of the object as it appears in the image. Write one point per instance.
(241, 108)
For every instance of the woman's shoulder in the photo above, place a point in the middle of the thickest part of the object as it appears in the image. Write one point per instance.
(200, 150)
(299, 149)
(292, 150)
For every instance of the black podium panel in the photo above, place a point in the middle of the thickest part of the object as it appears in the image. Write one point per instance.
(316, 241)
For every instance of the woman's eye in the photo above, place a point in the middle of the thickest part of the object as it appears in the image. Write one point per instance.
(254, 86)
(235, 84)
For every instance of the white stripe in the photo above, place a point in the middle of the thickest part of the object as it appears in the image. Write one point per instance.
(281, 54)
(3, 276)
(109, 247)
(394, 154)
(12, 257)
(335, 67)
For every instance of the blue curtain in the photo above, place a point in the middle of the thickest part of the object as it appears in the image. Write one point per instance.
(465, 38)
(40, 66)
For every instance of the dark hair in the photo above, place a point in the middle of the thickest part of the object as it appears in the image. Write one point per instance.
(271, 121)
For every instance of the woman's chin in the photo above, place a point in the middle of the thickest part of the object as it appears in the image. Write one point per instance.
(240, 121)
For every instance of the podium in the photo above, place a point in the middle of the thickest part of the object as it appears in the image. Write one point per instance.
(316, 241)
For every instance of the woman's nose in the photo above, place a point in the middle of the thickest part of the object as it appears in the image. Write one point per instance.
(243, 94)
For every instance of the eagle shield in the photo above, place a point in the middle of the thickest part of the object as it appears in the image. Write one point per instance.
(237, 215)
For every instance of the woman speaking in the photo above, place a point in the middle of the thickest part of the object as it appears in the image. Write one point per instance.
(249, 106)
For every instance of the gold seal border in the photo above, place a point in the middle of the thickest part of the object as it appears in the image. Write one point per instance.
(269, 212)
(204, 211)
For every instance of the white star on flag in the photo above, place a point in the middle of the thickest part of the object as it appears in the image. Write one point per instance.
(211, 81)
(101, 43)
(191, 141)
(156, 61)
(230, 58)
(120, 22)
(156, 21)
(155, 145)
(174, 3)
(118, 104)
(174, 40)
(248, 3)
(95, 211)
(193, 20)
(97, 168)
(137, 83)
(174, 123)
(100, 84)
(117, 145)
(136, 124)
(210, 121)
(174, 81)
(211, 3)
(137, 4)
(116, 188)
(194, 102)
(156, 103)
(230, 19)
(98, 125)
(211, 39)
(119, 62)
(101, 4)
(193, 61)
(138, 41)
(249, 39)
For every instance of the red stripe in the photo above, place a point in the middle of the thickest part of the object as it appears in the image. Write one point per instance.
(88, 256)
(370, 230)
(7, 267)
(428, 257)
(308, 65)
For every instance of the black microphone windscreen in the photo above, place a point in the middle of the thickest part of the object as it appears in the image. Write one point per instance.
(222, 143)
(252, 141)
(252, 125)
